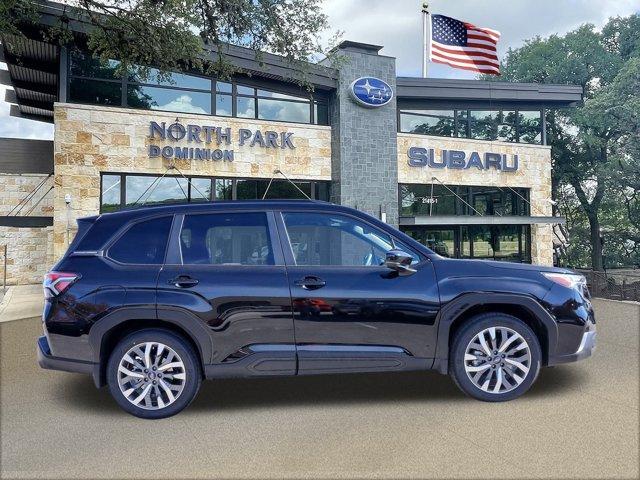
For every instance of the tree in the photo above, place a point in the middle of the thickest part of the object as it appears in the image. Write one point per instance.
(594, 146)
(172, 35)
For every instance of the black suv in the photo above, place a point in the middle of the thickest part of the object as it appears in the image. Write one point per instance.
(153, 300)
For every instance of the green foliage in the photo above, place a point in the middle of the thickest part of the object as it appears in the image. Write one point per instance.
(596, 146)
(172, 35)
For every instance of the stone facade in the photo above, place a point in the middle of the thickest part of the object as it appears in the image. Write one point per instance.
(534, 173)
(29, 250)
(89, 140)
(29, 253)
(364, 140)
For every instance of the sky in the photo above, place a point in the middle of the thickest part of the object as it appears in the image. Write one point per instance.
(397, 25)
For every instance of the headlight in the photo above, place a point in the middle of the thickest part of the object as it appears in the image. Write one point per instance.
(569, 280)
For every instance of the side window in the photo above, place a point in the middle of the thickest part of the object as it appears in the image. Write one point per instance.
(144, 242)
(325, 239)
(226, 238)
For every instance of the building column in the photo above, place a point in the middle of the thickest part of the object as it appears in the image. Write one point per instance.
(364, 164)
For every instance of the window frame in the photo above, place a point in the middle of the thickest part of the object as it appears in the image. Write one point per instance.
(290, 259)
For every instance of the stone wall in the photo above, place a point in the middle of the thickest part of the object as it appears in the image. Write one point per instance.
(15, 188)
(364, 171)
(92, 139)
(29, 254)
(534, 173)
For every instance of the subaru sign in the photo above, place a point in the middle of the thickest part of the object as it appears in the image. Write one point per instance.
(371, 92)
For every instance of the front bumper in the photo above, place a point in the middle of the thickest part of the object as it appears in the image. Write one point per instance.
(48, 361)
(585, 349)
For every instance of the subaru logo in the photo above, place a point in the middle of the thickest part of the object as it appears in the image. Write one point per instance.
(371, 92)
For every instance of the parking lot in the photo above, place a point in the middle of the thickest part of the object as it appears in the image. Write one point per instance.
(578, 421)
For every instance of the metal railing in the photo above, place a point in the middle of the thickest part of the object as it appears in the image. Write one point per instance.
(613, 285)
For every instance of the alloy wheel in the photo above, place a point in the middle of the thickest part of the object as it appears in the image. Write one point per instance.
(497, 360)
(151, 375)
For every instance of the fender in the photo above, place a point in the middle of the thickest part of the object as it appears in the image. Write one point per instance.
(187, 321)
(456, 307)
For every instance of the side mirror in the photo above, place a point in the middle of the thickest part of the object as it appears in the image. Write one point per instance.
(399, 261)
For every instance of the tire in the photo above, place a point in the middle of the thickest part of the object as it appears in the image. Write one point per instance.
(515, 367)
(172, 364)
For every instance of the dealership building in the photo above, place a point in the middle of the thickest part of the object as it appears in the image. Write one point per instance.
(463, 166)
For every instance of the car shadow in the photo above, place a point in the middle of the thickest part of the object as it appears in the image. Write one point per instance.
(250, 393)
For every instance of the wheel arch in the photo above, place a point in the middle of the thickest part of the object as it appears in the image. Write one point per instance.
(105, 334)
(463, 308)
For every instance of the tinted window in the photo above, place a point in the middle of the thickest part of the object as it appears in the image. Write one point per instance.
(323, 239)
(157, 98)
(219, 239)
(144, 243)
(95, 92)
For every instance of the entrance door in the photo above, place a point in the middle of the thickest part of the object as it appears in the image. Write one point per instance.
(351, 312)
(226, 272)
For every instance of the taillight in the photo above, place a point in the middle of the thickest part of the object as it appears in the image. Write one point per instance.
(56, 283)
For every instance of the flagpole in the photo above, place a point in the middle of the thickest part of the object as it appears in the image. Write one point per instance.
(426, 37)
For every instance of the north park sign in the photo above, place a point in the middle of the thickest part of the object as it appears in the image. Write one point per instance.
(199, 136)
(457, 159)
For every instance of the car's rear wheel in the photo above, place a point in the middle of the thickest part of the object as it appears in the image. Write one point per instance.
(495, 357)
(153, 373)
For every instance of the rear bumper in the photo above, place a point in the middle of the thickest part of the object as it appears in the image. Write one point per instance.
(49, 362)
(586, 348)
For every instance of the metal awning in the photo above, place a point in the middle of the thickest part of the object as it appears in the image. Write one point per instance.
(480, 220)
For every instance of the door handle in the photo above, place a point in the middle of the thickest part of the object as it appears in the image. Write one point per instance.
(310, 282)
(183, 281)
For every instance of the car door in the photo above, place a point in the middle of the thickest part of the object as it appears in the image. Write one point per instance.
(351, 313)
(226, 268)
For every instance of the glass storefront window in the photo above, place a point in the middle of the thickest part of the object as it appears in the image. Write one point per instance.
(141, 189)
(224, 105)
(458, 200)
(224, 189)
(200, 189)
(428, 122)
(180, 80)
(246, 107)
(157, 98)
(92, 81)
(503, 125)
(147, 190)
(110, 193)
(95, 92)
(84, 64)
(281, 110)
(530, 127)
(321, 113)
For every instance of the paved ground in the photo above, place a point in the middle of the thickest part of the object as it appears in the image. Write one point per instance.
(20, 302)
(579, 421)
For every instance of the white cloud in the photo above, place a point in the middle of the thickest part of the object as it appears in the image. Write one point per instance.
(397, 25)
(184, 103)
(19, 127)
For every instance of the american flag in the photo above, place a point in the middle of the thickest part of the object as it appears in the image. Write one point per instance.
(463, 45)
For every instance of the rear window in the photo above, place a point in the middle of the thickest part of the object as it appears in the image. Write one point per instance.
(226, 239)
(143, 243)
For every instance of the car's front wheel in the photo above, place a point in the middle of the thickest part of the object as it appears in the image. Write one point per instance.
(495, 357)
(153, 373)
